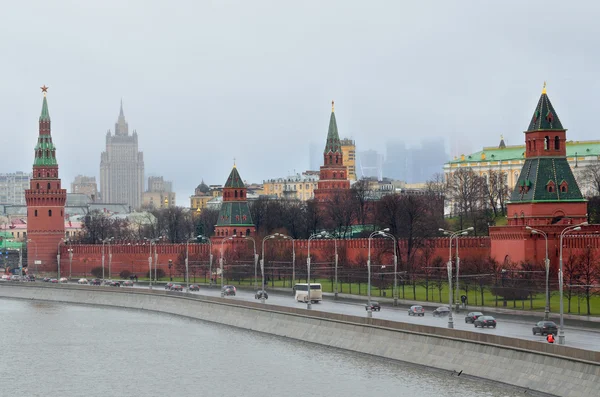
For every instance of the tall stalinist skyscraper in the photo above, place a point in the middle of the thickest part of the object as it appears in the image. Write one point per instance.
(122, 166)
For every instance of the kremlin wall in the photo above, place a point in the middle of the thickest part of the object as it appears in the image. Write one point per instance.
(546, 197)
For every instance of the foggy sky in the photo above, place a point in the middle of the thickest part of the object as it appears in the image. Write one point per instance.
(203, 82)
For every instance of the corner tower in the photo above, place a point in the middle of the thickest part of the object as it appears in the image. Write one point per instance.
(45, 199)
(546, 192)
(333, 175)
(234, 215)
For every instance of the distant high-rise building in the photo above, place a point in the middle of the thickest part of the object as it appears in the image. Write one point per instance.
(370, 164)
(427, 160)
(349, 154)
(396, 161)
(122, 166)
(159, 194)
(12, 187)
(86, 185)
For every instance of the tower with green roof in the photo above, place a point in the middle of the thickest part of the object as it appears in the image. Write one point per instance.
(45, 199)
(546, 192)
(234, 216)
(546, 196)
(333, 178)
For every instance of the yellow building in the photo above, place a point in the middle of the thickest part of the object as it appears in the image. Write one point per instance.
(154, 200)
(203, 194)
(349, 157)
(296, 187)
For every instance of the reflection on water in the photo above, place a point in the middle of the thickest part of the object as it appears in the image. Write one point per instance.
(55, 349)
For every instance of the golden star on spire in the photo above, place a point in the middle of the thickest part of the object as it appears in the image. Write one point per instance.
(544, 89)
(44, 89)
(332, 106)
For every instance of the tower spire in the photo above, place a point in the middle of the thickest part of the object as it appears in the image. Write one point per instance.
(45, 115)
(333, 143)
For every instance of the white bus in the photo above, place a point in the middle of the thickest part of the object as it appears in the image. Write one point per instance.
(316, 292)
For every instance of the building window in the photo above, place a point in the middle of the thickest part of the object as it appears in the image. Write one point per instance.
(49, 186)
(556, 143)
(247, 232)
(546, 142)
(37, 186)
(35, 213)
(49, 212)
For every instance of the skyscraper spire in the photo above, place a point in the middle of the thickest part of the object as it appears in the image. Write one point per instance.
(121, 126)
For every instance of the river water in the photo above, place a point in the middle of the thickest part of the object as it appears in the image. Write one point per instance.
(56, 349)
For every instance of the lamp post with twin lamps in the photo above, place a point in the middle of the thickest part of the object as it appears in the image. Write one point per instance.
(150, 242)
(62, 240)
(221, 260)
(70, 250)
(316, 235)
(255, 256)
(453, 235)
(293, 256)
(262, 265)
(395, 291)
(547, 263)
(187, 259)
(561, 329)
(210, 259)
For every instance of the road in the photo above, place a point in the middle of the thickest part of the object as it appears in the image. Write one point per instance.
(588, 339)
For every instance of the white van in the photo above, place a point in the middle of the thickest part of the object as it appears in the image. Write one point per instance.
(316, 292)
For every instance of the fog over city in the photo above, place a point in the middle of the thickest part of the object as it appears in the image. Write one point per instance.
(204, 82)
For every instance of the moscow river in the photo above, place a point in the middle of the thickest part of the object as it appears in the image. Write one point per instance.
(55, 349)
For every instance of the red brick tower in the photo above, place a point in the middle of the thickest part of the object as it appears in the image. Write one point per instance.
(332, 176)
(234, 215)
(546, 196)
(45, 199)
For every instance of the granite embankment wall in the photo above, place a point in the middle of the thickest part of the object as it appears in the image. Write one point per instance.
(553, 369)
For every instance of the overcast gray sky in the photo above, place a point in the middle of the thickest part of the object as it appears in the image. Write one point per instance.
(206, 81)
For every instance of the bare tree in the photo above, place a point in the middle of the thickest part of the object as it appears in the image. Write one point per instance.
(590, 177)
(466, 189)
(361, 196)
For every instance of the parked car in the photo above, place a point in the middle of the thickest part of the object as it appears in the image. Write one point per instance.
(261, 294)
(485, 321)
(96, 281)
(416, 310)
(176, 287)
(168, 286)
(83, 281)
(375, 306)
(194, 287)
(471, 317)
(441, 311)
(545, 328)
(228, 290)
(127, 283)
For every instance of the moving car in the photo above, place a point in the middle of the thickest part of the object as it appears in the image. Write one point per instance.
(375, 306)
(168, 286)
(545, 328)
(261, 294)
(485, 321)
(441, 311)
(228, 290)
(82, 281)
(113, 284)
(194, 287)
(416, 310)
(54, 281)
(63, 280)
(127, 283)
(471, 317)
(46, 279)
(176, 287)
(96, 281)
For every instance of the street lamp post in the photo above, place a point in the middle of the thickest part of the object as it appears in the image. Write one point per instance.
(547, 263)
(561, 330)
(187, 256)
(70, 262)
(317, 235)
(110, 259)
(21, 261)
(35, 258)
(452, 235)
(262, 265)
(62, 240)
(255, 257)
(210, 259)
(335, 292)
(150, 241)
(395, 292)
(221, 263)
